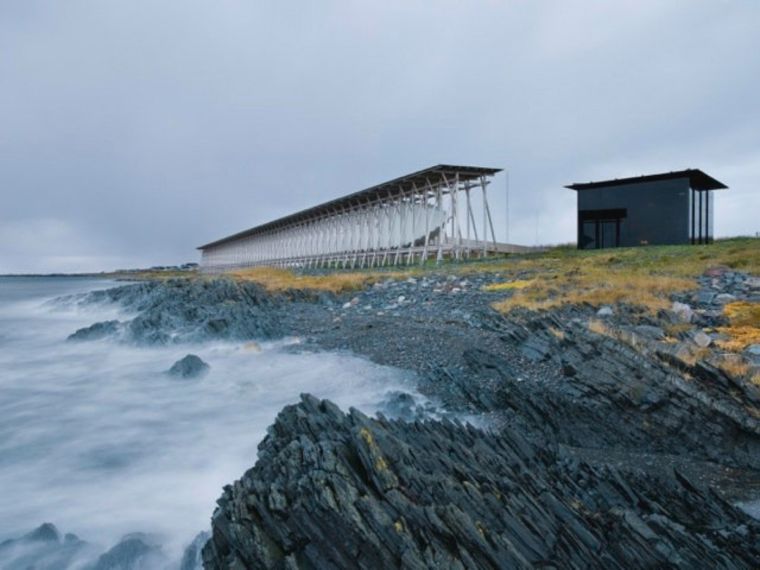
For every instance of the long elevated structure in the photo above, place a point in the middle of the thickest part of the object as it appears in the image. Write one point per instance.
(425, 215)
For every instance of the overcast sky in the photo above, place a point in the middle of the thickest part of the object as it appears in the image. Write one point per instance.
(132, 131)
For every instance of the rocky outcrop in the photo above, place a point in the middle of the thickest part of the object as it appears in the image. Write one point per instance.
(617, 389)
(191, 558)
(193, 310)
(134, 552)
(190, 366)
(96, 331)
(43, 549)
(335, 490)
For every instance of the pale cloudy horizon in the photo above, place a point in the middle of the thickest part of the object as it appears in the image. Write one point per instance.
(132, 132)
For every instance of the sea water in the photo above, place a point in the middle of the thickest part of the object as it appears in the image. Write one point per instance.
(96, 438)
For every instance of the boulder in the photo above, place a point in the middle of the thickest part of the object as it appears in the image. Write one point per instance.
(753, 352)
(96, 331)
(704, 297)
(191, 366)
(134, 552)
(682, 311)
(725, 298)
(605, 311)
(702, 339)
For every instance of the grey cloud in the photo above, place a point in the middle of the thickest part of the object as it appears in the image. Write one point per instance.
(147, 128)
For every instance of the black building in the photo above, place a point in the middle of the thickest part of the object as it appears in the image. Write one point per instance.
(659, 209)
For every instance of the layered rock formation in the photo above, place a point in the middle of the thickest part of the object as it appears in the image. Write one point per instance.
(185, 310)
(335, 490)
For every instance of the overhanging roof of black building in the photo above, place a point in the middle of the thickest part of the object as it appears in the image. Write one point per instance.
(386, 190)
(698, 180)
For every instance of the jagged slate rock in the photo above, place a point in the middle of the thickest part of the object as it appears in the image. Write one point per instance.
(335, 490)
(134, 552)
(46, 532)
(535, 348)
(753, 282)
(190, 366)
(604, 393)
(191, 310)
(43, 549)
(192, 558)
(650, 331)
(724, 298)
(399, 405)
(96, 331)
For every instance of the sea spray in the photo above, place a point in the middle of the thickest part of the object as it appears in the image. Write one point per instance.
(97, 438)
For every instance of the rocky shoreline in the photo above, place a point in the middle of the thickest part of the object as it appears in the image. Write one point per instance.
(604, 390)
(335, 490)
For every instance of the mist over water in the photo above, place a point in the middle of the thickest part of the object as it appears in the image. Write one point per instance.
(97, 439)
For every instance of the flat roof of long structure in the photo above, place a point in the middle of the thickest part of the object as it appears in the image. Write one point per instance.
(697, 179)
(389, 189)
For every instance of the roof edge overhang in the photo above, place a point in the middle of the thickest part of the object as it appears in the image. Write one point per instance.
(698, 180)
(389, 188)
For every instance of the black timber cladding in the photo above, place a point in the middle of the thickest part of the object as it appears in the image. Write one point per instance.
(657, 209)
(386, 190)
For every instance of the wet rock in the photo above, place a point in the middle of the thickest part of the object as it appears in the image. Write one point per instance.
(134, 552)
(46, 532)
(403, 406)
(96, 331)
(187, 310)
(192, 558)
(190, 366)
(344, 491)
(43, 549)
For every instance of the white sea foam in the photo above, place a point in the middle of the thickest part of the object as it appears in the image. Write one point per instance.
(95, 438)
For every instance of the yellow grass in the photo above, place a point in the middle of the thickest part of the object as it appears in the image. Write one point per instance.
(276, 280)
(675, 329)
(642, 276)
(694, 354)
(744, 327)
(509, 285)
(597, 286)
